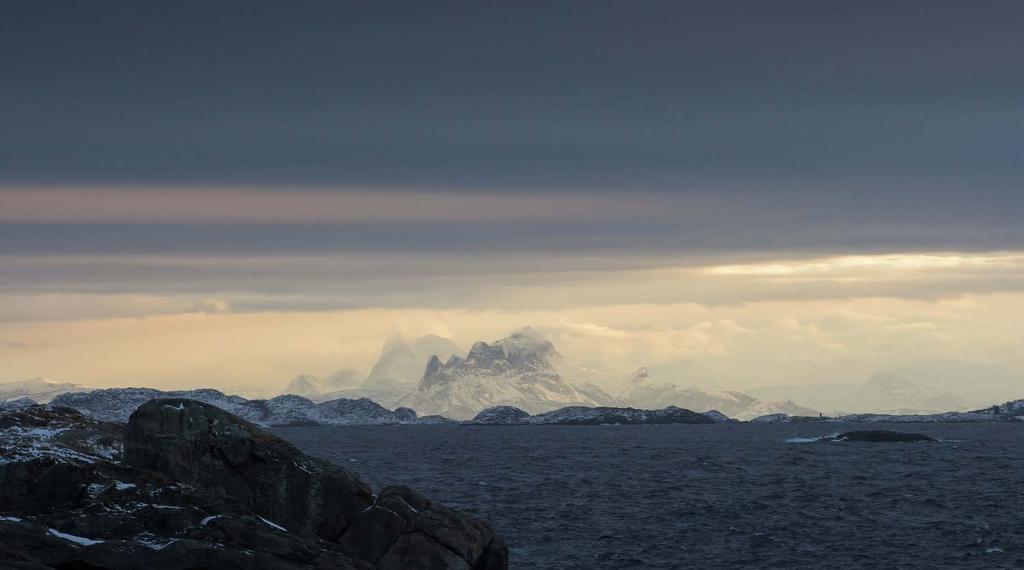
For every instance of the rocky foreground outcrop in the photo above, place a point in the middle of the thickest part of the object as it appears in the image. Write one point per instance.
(187, 485)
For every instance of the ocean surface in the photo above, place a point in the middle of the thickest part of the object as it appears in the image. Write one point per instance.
(711, 496)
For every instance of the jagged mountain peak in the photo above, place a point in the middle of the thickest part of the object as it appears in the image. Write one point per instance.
(515, 371)
(484, 353)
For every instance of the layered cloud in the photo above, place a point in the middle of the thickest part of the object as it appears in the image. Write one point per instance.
(248, 323)
(243, 288)
(737, 346)
(71, 287)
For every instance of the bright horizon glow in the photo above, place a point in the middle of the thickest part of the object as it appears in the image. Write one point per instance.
(892, 262)
(729, 326)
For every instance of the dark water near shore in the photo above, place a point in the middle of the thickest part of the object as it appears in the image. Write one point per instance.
(716, 496)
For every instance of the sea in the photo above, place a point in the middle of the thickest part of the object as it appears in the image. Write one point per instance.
(711, 496)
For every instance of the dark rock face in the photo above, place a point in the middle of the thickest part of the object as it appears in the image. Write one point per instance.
(209, 448)
(882, 436)
(201, 488)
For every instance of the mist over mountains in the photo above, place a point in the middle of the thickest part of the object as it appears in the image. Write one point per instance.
(39, 390)
(434, 376)
(524, 370)
(926, 387)
(397, 372)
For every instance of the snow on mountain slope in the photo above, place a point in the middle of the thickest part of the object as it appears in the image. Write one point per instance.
(117, 404)
(40, 390)
(586, 379)
(643, 392)
(776, 406)
(514, 371)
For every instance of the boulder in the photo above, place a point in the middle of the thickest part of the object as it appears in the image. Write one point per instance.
(204, 446)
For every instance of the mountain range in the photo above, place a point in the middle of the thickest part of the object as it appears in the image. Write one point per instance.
(525, 371)
(430, 375)
(644, 392)
(117, 405)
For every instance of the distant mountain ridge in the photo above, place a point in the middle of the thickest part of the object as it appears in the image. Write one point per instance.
(1012, 411)
(643, 392)
(582, 415)
(924, 388)
(117, 404)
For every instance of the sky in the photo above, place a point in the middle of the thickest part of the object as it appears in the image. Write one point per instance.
(745, 193)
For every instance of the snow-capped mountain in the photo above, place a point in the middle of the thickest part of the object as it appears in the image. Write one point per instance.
(644, 392)
(40, 390)
(514, 371)
(117, 404)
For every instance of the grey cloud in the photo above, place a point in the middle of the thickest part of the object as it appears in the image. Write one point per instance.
(121, 286)
(588, 96)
